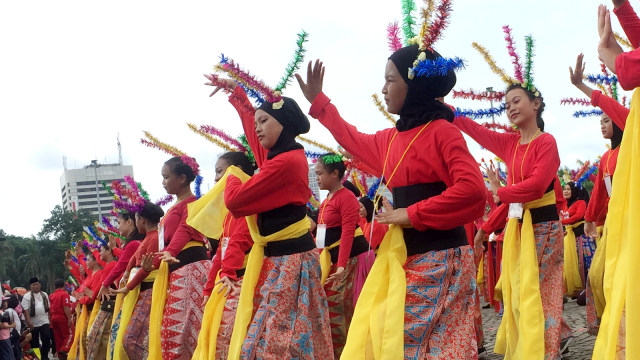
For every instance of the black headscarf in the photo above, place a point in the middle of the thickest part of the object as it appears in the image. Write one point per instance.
(420, 106)
(616, 137)
(368, 205)
(294, 122)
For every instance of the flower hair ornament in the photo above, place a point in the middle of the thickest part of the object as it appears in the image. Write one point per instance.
(254, 87)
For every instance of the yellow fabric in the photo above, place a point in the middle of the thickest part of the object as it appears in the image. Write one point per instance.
(480, 275)
(207, 214)
(571, 268)
(521, 331)
(377, 327)
(596, 274)
(76, 350)
(623, 248)
(600, 231)
(94, 312)
(116, 310)
(325, 256)
(211, 318)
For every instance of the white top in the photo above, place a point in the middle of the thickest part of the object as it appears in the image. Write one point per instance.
(41, 317)
(16, 319)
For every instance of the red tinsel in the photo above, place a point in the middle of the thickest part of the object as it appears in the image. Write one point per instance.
(572, 101)
(494, 96)
(438, 24)
(497, 126)
(582, 170)
(515, 59)
(393, 37)
(249, 80)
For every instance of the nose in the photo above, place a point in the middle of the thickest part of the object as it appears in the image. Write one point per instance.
(384, 89)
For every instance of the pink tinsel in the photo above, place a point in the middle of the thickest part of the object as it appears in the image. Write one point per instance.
(235, 71)
(515, 59)
(438, 24)
(393, 37)
(191, 162)
(603, 67)
(496, 126)
(624, 101)
(224, 136)
(572, 101)
(156, 146)
(165, 200)
(462, 94)
(215, 81)
(363, 180)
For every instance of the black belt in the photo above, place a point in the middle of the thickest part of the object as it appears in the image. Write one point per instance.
(188, 256)
(298, 245)
(420, 242)
(578, 230)
(360, 244)
(272, 221)
(214, 247)
(146, 285)
(544, 214)
(240, 273)
(108, 306)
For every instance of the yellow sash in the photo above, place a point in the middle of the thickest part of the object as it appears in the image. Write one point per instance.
(480, 274)
(211, 318)
(521, 331)
(116, 310)
(325, 256)
(571, 269)
(76, 350)
(622, 265)
(158, 301)
(596, 274)
(97, 304)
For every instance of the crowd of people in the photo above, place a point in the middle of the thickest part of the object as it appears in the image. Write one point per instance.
(258, 268)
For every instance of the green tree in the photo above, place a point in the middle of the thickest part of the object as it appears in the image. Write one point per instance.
(65, 226)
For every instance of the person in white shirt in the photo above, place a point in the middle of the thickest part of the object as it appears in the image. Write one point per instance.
(36, 311)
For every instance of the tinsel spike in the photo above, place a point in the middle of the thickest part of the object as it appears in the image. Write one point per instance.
(384, 111)
(165, 199)
(294, 64)
(245, 78)
(482, 113)
(572, 101)
(427, 13)
(473, 95)
(317, 144)
(356, 182)
(614, 90)
(623, 41)
(528, 64)
(408, 21)
(492, 64)
(224, 136)
(171, 150)
(243, 140)
(393, 37)
(437, 67)
(218, 142)
(581, 113)
(438, 24)
(600, 79)
(515, 58)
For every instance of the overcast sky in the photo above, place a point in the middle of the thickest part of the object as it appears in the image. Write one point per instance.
(74, 74)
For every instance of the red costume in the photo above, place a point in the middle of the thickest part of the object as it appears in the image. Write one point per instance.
(148, 245)
(119, 268)
(576, 212)
(60, 324)
(341, 210)
(628, 63)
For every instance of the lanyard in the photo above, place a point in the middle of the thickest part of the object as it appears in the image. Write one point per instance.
(228, 226)
(513, 162)
(324, 205)
(607, 165)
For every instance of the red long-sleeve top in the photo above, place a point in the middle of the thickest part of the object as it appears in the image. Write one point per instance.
(92, 283)
(379, 231)
(149, 245)
(628, 63)
(497, 219)
(611, 107)
(630, 23)
(282, 180)
(239, 242)
(123, 260)
(176, 231)
(74, 268)
(531, 167)
(439, 154)
(117, 252)
(598, 204)
(341, 209)
(576, 212)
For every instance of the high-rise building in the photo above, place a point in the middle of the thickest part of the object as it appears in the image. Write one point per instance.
(80, 187)
(313, 183)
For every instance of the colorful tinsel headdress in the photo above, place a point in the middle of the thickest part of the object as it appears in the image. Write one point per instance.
(224, 140)
(255, 88)
(580, 176)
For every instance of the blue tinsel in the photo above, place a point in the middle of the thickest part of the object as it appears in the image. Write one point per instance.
(313, 155)
(586, 175)
(582, 113)
(438, 67)
(601, 79)
(93, 234)
(481, 113)
(198, 183)
(372, 190)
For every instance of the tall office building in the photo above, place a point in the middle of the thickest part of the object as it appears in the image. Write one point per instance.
(313, 183)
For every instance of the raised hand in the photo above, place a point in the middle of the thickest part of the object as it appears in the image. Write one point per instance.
(608, 47)
(577, 74)
(315, 78)
(226, 84)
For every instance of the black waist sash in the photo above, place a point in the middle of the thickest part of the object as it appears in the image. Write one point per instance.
(420, 242)
(545, 213)
(188, 256)
(298, 245)
(272, 221)
(578, 230)
(359, 246)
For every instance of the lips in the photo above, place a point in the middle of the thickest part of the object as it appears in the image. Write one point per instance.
(260, 137)
(512, 116)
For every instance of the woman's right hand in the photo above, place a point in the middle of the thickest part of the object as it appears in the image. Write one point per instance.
(591, 229)
(577, 74)
(315, 78)
(219, 83)
(478, 248)
(204, 301)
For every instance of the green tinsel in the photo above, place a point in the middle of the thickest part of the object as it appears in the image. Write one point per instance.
(614, 90)
(144, 194)
(108, 188)
(294, 64)
(528, 67)
(408, 21)
(243, 139)
(331, 159)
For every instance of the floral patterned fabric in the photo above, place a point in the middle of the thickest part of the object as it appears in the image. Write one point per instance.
(340, 294)
(136, 337)
(98, 336)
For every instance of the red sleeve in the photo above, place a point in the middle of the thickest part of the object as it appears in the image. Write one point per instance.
(576, 212)
(151, 247)
(95, 284)
(611, 107)
(497, 219)
(628, 69)
(284, 181)
(121, 266)
(498, 143)
(463, 201)
(349, 207)
(183, 233)
(216, 265)
(544, 171)
(117, 252)
(243, 106)
(66, 300)
(96, 255)
(75, 271)
(366, 148)
(629, 22)
(137, 279)
(379, 231)
(599, 196)
(240, 242)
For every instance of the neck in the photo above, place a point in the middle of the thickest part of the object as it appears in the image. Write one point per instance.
(528, 132)
(151, 228)
(335, 188)
(184, 193)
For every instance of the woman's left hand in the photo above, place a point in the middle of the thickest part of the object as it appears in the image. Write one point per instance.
(167, 257)
(336, 274)
(228, 286)
(393, 216)
(147, 262)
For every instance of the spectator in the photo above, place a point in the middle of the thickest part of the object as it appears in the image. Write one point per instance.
(36, 310)
(6, 325)
(13, 303)
(61, 319)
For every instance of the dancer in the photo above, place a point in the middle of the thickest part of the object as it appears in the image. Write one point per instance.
(576, 263)
(99, 331)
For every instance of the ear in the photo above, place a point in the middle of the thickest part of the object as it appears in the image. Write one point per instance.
(183, 179)
(536, 103)
(335, 172)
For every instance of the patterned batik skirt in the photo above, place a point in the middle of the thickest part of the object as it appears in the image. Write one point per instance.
(136, 337)
(98, 336)
(586, 248)
(340, 292)
(291, 319)
(226, 327)
(439, 305)
(183, 310)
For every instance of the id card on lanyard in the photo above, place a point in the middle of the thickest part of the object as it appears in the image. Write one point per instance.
(607, 184)
(515, 211)
(161, 237)
(321, 234)
(225, 244)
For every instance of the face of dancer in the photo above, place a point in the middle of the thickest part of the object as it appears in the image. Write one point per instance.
(520, 109)
(105, 253)
(327, 179)
(363, 211)
(394, 89)
(566, 192)
(268, 129)
(221, 167)
(91, 261)
(125, 226)
(606, 126)
(171, 182)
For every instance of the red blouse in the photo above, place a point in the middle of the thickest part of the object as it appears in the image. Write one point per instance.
(123, 260)
(576, 212)
(439, 154)
(531, 167)
(628, 63)
(611, 107)
(497, 219)
(597, 208)
(149, 245)
(240, 242)
(341, 209)
(176, 231)
(379, 231)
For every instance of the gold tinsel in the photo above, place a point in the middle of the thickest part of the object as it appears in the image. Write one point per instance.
(218, 142)
(384, 111)
(622, 41)
(492, 64)
(317, 144)
(166, 147)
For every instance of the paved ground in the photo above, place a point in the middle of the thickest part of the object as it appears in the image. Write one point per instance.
(581, 346)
